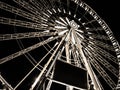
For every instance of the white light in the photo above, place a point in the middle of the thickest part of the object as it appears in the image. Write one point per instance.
(81, 4)
(34, 84)
(74, 16)
(107, 32)
(69, 13)
(44, 24)
(114, 43)
(49, 11)
(75, 1)
(54, 10)
(46, 31)
(111, 37)
(118, 56)
(116, 49)
(68, 20)
(63, 20)
(91, 12)
(60, 27)
(46, 14)
(79, 19)
(60, 22)
(62, 32)
(44, 19)
(80, 35)
(83, 23)
(79, 31)
(89, 33)
(95, 17)
(87, 28)
(86, 8)
(64, 10)
(59, 10)
(100, 21)
(91, 37)
(104, 27)
(70, 87)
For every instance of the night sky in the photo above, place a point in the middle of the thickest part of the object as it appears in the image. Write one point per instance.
(108, 10)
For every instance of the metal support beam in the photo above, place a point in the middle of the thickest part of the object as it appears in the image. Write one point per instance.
(87, 64)
(8, 86)
(46, 65)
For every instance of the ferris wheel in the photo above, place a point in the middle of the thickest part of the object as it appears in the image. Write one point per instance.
(37, 36)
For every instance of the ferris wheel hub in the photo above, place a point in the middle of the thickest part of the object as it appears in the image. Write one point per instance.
(74, 25)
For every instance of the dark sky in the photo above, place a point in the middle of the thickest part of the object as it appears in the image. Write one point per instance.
(108, 10)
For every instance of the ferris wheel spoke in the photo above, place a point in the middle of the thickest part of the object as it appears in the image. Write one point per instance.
(46, 15)
(89, 22)
(5, 82)
(94, 29)
(46, 2)
(80, 35)
(102, 72)
(67, 20)
(85, 13)
(60, 5)
(27, 6)
(86, 62)
(64, 21)
(68, 5)
(35, 66)
(103, 61)
(20, 23)
(57, 52)
(52, 3)
(58, 22)
(96, 36)
(77, 5)
(37, 4)
(19, 12)
(54, 10)
(60, 27)
(50, 81)
(31, 8)
(104, 53)
(102, 44)
(25, 35)
(28, 49)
